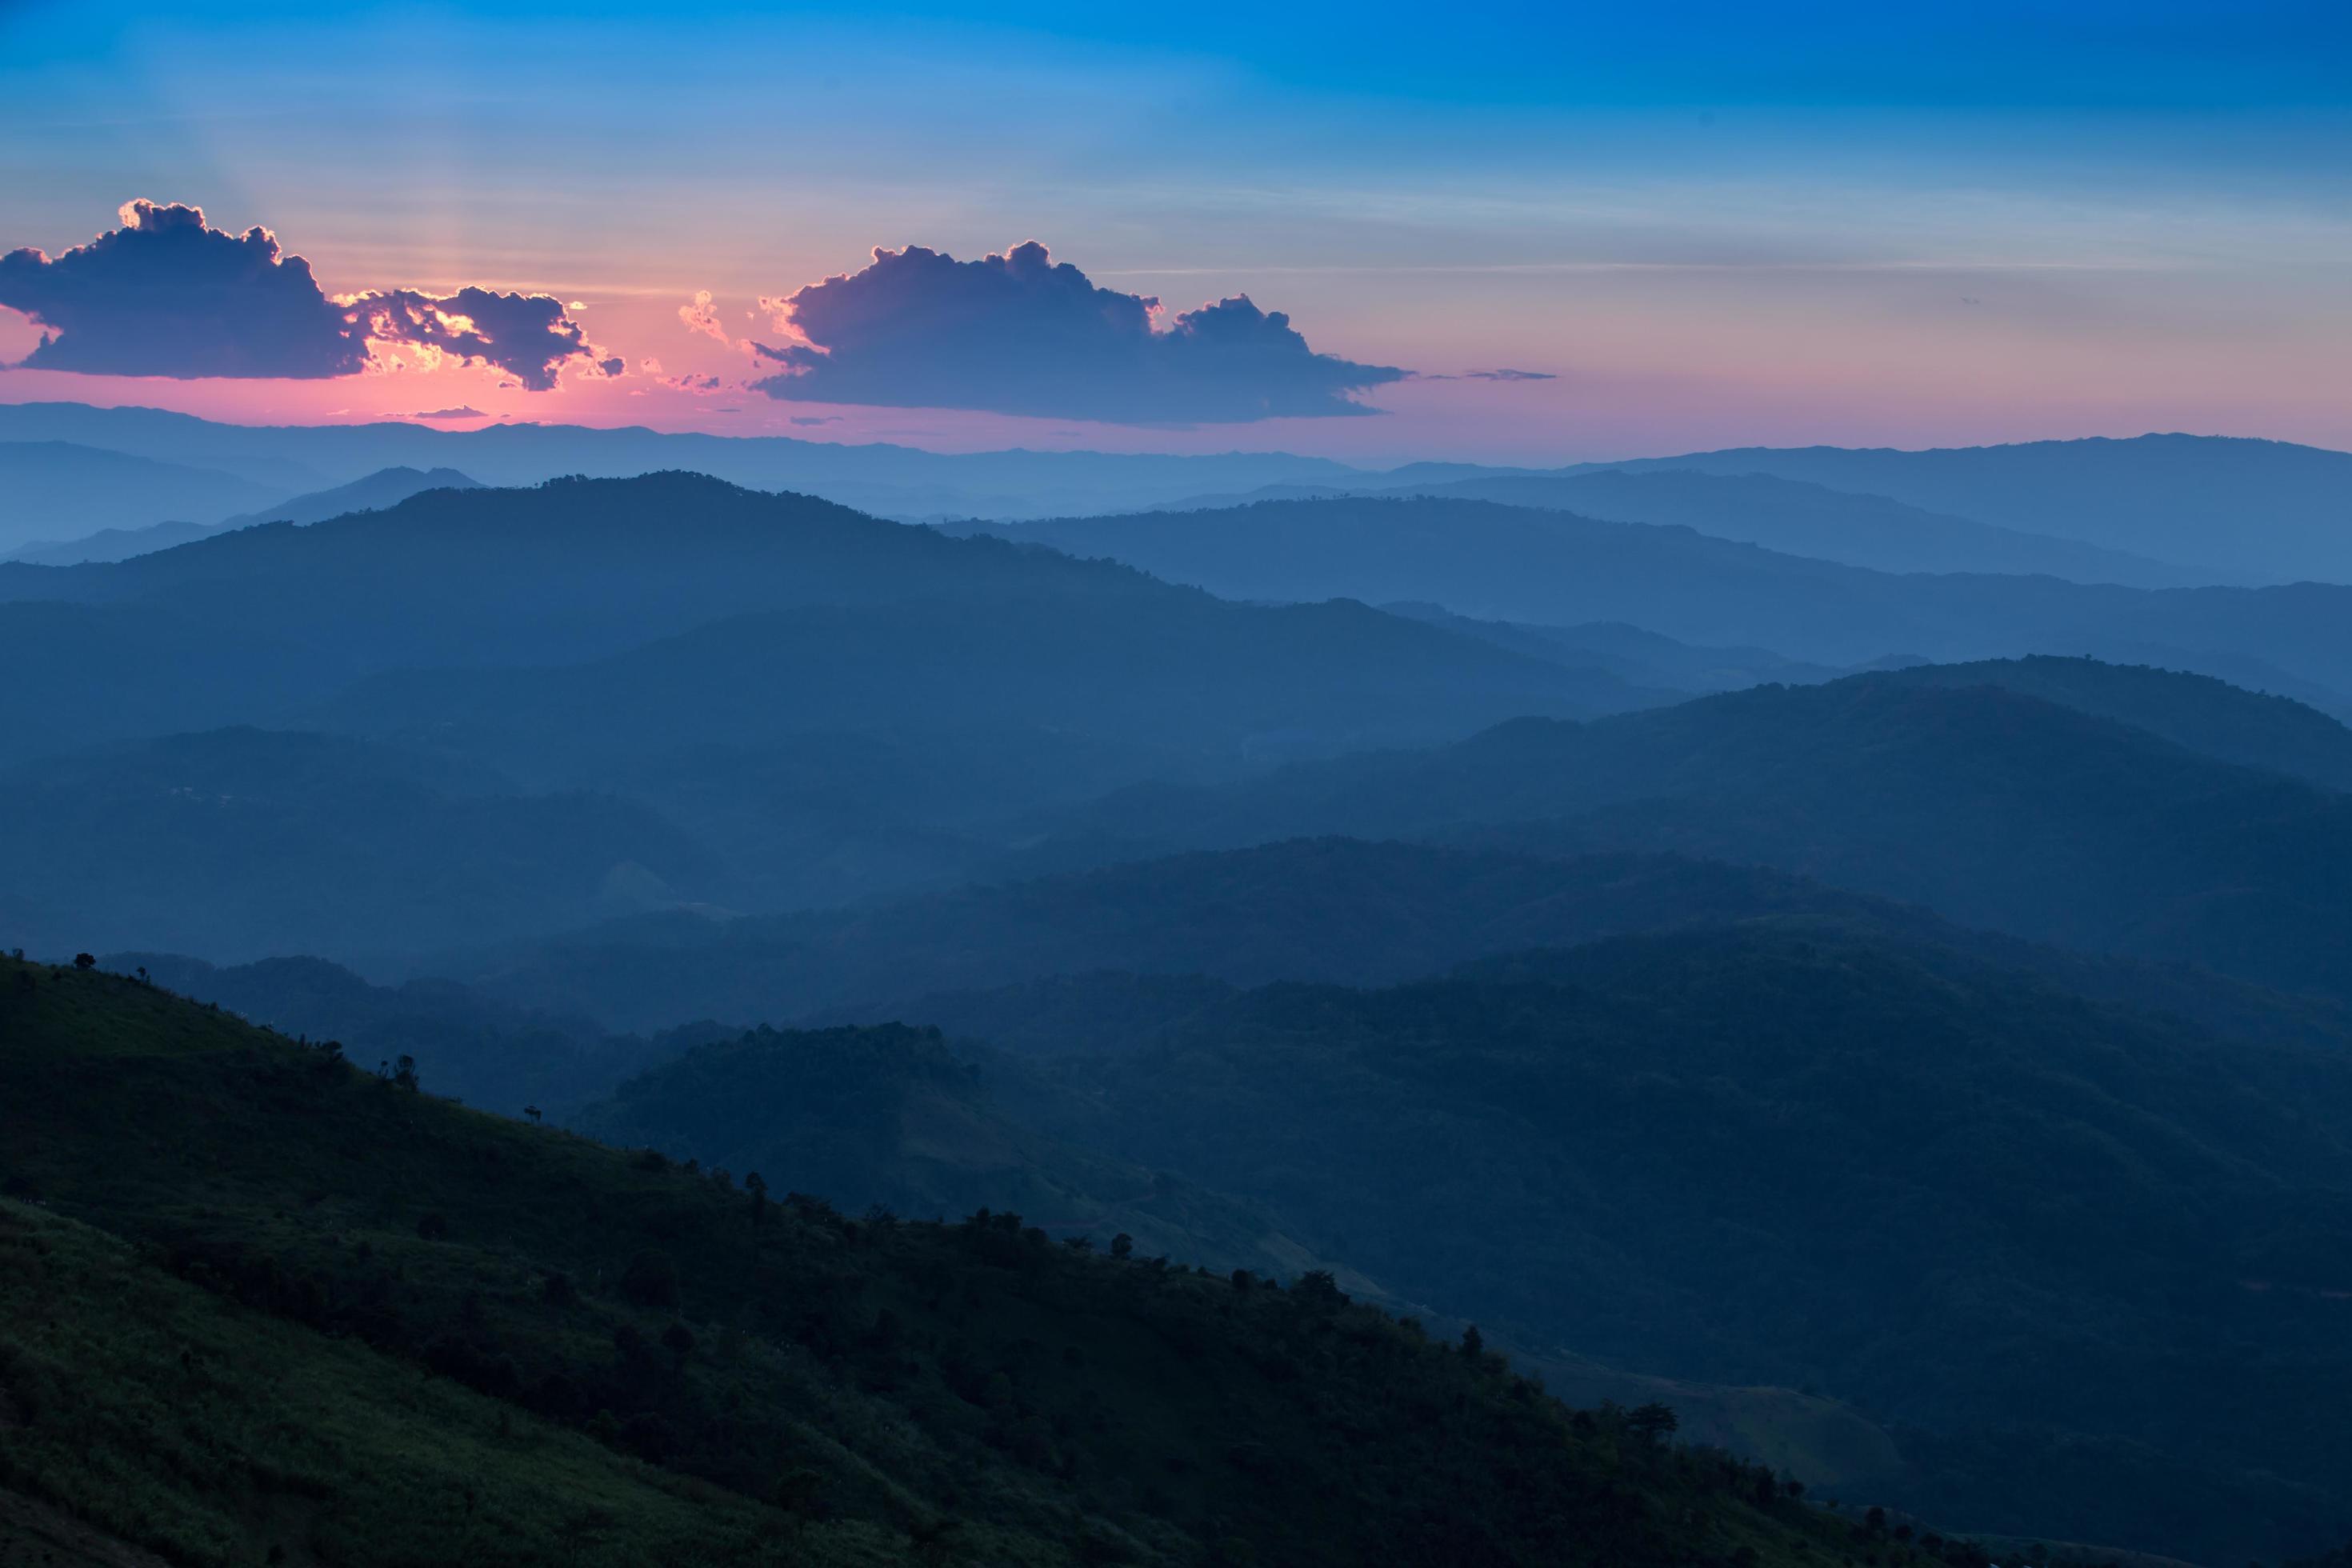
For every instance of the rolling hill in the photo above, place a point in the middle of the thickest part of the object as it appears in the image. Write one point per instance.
(58, 488)
(240, 842)
(1984, 1209)
(1996, 807)
(1329, 909)
(1796, 518)
(304, 1302)
(377, 490)
(1491, 561)
(2270, 511)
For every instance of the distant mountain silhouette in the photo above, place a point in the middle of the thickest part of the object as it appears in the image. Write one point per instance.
(571, 569)
(885, 479)
(113, 673)
(110, 543)
(2263, 510)
(240, 842)
(1643, 658)
(2252, 510)
(53, 489)
(1994, 807)
(1328, 909)
(386, 488)
(838, 705)
(1785, 515)
(1801, 519)
(1513, 564)
(2207, 716)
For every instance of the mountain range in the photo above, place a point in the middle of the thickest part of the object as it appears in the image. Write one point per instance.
(2153, 511)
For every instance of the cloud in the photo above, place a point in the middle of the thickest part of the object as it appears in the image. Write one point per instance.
(689, 382)
(1020, 333)
(816, 418)
(460, 412)
(526, 335)
(1508, 375)
(703, 316)
(167, 294)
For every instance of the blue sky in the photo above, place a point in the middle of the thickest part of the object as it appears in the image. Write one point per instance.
(1711, 224)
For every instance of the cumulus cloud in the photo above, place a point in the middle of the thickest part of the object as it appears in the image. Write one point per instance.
(1021, 333)
(1508, 375)
(167, 294)
(528, 336)
(689, 382)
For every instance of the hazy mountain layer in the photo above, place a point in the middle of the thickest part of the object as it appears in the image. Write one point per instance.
(2268, 510)
(52, 489)
(1514, 564)
(1995, 808)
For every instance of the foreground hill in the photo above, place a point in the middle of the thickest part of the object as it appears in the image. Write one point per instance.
(608, 1337)
(1512, 564)
(1977, 1207)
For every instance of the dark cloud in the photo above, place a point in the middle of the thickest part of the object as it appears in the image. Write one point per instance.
(1508, 375)
(816, 418)
(458, 413)
(167, 294)
(528, 336)
(1019, 333)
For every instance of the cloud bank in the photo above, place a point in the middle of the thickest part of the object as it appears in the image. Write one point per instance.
(166, 294)
(1020, 333)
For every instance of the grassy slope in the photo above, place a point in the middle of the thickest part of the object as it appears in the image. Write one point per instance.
(966, 1393)
(172, 1419)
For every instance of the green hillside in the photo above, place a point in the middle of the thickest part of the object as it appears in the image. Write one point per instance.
(261, 1299)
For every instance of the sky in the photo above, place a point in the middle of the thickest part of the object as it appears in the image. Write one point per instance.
(1379, 232)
